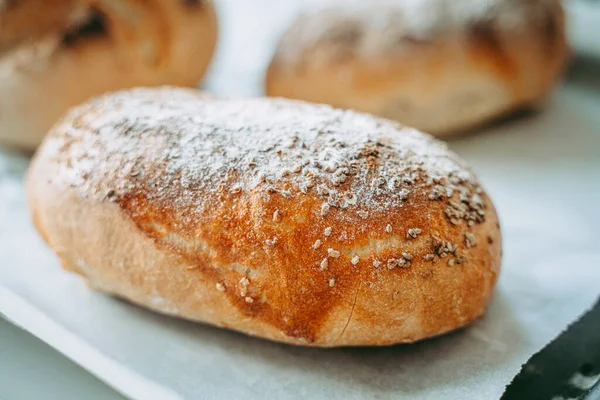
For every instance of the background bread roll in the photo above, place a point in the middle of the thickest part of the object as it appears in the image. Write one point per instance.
(439, 65)
(295, 222)
(82, 48)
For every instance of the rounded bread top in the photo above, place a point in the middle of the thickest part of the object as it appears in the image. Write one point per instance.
(362, 30)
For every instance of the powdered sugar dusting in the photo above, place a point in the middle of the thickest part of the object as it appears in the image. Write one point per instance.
(178, 147)
(366, 28)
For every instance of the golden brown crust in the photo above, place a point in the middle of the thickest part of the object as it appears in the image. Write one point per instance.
(440, 65)
(87, 47)
(31, 20)
(290, 221)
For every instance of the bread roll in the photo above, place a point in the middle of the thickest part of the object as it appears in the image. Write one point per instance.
(294, 222)
(442, 66)
(58, 53)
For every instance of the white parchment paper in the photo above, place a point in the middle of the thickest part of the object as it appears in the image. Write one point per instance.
(542, 170)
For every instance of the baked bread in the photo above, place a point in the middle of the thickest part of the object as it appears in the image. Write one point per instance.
(294, 222)
(55, 54)
(443, 66)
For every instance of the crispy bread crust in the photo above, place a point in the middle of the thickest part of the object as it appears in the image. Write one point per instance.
(53, 68)
(286, 220)
(442, 66)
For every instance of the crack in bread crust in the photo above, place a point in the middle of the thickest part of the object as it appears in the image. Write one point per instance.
(351, 310)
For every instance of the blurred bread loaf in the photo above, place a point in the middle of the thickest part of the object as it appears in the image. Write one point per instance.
(441, 66)
(58, 53)
(290, 221)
